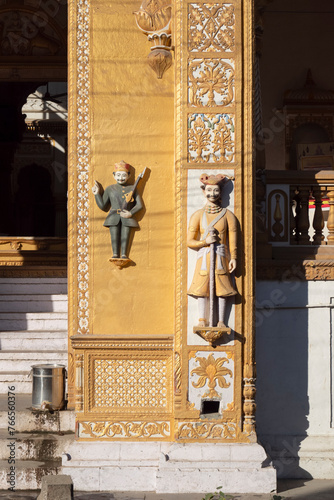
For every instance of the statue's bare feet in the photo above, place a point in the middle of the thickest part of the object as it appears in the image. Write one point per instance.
(221, 324)
(201, 323)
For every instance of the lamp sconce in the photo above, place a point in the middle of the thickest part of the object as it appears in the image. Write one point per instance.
(154, 19)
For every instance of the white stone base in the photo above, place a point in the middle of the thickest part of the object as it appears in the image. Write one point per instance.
(301, 456)
(169, 467)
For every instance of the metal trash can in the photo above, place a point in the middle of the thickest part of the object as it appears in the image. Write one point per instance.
(48, 386)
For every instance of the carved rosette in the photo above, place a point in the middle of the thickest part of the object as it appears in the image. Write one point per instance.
(153, 19)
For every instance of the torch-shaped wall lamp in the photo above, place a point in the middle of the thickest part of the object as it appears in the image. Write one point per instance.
(154, 19)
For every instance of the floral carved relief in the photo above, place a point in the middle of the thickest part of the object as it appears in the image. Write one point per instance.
(211, 82)
(211, 27)
(211, 370)
(211, 138)
(125, 429)
(226, 431)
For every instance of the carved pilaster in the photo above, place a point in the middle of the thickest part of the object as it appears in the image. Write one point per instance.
(249, 405)
(177, 380)
(79, 378)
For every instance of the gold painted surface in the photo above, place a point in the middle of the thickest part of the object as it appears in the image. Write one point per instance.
(132, 119)
(121, 112)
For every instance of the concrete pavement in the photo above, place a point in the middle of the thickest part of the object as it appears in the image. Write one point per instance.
(294, 489)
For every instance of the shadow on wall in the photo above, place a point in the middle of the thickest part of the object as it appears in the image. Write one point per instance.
(282, 372)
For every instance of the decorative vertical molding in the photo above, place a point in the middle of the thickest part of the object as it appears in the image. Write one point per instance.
(177, 380)
(248, 222)
(83, 156)
(179, 271)
(79, 381)
(79, 156)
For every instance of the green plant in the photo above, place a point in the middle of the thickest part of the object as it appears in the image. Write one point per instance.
(278, 497)
(218, 495)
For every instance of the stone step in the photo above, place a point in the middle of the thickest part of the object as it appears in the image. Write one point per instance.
(33, 303)
(40, 280)
(41, 421)
(33, 340)
(33, 321)
(28, 419)
(28, 473)
(15, 361)
(42, 446)
(21, 380)
(45, 286)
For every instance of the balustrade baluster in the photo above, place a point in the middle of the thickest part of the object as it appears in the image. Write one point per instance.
(277, 226)
(330, 222)
(303, 219)
(293, 203)
(318, 220)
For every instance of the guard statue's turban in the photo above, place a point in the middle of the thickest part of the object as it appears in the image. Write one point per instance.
(212, 179)
(122, 167)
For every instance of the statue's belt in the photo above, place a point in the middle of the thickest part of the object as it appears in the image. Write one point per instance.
(115, 211)
(220, 250)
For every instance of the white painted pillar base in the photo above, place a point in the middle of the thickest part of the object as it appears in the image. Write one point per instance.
(169, 467)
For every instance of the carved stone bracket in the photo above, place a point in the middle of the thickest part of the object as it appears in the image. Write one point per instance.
(120, 263)
(153, 19)
(211, 334)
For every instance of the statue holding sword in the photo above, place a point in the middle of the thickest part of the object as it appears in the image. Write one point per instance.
(122, 202)
(213, 233)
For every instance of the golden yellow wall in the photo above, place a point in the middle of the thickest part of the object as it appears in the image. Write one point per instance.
(132, 120)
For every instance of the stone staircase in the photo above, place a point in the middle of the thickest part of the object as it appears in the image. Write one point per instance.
(40, 439)
(33, 328)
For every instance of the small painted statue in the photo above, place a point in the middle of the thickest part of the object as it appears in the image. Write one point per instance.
(123, 201)
(213, 233)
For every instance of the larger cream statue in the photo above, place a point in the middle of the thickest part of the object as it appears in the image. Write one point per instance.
(212, 233)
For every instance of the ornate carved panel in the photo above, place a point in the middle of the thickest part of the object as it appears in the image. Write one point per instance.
(211, 82)
(211, 138)
(129, 384)
(124, 377)
(211, 27)
(211, 377)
